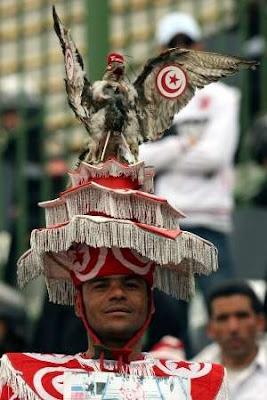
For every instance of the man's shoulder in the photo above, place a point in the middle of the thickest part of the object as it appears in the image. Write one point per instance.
(33, 375)
(191, 369)
(52, 358)
(210, 354)
(207, 380)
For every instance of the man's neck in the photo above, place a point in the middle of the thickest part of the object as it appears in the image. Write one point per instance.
(93, 349)
(239, 362)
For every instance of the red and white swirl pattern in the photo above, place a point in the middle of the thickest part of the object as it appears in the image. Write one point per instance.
(48, 382)
(43, 375)
(53, 358)
(184, 369)
(86, 263)
(140, 266)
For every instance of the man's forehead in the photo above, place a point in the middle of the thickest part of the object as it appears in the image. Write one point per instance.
(116, 278)
(234, 302)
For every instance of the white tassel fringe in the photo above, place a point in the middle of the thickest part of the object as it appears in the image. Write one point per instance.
(111, 168)
(14, 379)
(55, 211)
(121, 205)
(137, 171)
(177, 260)
(105, 232)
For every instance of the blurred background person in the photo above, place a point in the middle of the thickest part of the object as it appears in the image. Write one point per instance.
(15, 326)
(168, 348)
(198, 179)
(21, 127)
(258, 150)
(236, 324)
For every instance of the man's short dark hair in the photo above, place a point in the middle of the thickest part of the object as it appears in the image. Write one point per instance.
(180, 40)
(233, 288)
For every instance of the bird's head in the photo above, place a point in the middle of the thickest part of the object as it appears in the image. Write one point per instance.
(115, 64)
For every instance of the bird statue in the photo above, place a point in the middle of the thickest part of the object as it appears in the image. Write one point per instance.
(118, 115)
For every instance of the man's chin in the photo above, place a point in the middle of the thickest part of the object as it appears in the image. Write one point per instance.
(118, 333)
(235, 349)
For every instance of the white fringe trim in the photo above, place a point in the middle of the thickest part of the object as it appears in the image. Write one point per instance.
(122, 205)
(109, 168)
(181, 287)
(13, 378)
(142, 368)
(84, 199)
(61, 291)
(113, 168)
(30, 266)
(56, 211)
(148, 185)
(105, 232)
(138, 368)
(175, 284)
(177, 260)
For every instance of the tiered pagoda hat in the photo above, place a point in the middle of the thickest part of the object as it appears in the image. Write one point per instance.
(109, 217)
(108, 221)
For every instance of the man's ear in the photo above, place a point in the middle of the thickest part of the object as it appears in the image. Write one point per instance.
(77, 303)
(153, 307)
(209, 330)
(152, 303)
(260, 323)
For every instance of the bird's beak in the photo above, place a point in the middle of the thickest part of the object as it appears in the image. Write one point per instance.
(118, 68)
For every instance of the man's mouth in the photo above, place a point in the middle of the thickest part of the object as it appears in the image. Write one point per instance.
(235, 342)
(117, 309)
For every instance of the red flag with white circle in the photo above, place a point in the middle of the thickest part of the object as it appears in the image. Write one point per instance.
(171, 81)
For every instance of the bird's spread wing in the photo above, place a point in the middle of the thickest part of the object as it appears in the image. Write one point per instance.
(168, 82)
(77, 85)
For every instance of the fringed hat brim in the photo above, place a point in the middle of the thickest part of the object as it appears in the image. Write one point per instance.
(177, 257)
(90, 198)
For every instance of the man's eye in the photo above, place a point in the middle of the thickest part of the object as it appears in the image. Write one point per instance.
(221, 318)
(132, 284)
(243, 315)
(100, 285)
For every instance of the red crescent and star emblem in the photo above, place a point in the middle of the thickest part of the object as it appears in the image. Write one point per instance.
(171, 81)
(69, 62)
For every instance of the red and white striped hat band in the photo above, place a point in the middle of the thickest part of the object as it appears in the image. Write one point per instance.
(86, 263)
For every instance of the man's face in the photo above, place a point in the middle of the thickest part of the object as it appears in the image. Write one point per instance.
(10, 120)
(235, 325)
(116, 307)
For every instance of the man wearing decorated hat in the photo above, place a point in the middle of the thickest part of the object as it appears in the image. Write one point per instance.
(107, 243)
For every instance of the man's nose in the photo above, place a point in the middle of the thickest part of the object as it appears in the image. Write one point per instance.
(117, 291)
(233, 324)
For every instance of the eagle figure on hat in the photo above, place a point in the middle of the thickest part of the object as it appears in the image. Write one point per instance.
(109, 215)
(118, 115)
